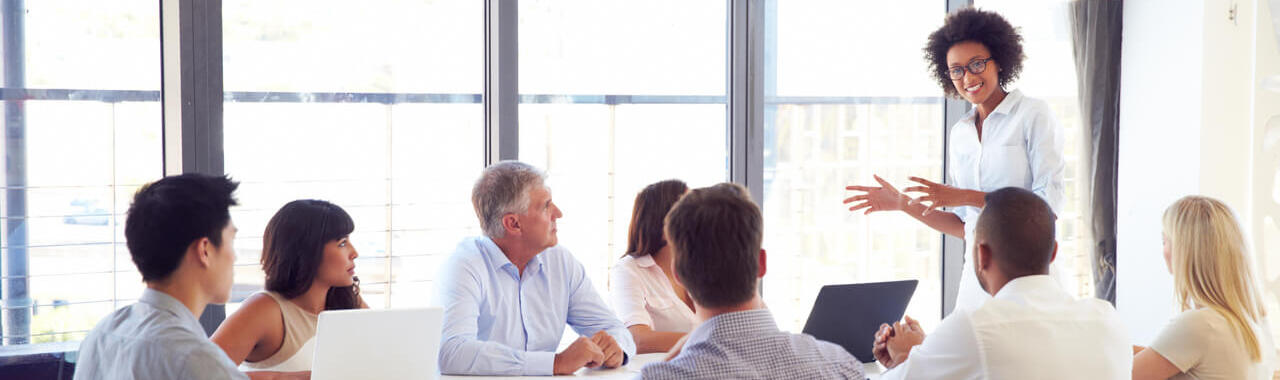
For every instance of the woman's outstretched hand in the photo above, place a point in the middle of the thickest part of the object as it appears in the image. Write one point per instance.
(882, 198)
(938, 195)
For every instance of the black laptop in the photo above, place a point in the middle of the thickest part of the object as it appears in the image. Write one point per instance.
(849, 315)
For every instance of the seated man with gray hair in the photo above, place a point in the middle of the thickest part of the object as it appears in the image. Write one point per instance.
(508, 295)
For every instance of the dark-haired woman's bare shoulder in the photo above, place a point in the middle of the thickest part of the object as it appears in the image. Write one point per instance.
(254, 332)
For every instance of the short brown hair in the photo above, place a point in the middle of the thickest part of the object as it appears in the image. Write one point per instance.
(715, 237)
(652, 204)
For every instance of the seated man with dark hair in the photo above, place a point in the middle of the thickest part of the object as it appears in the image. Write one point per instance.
(1030, 328)
(715, 235)
(180, 234)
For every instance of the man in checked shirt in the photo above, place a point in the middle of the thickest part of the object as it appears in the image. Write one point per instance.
(715, 235)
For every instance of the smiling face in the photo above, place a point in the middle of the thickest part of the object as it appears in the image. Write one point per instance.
(976, 88)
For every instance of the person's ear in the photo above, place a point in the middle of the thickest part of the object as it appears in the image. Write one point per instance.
(763, 266)
(203, 250)
(511, 224)
(983, 260)
(1054, 255)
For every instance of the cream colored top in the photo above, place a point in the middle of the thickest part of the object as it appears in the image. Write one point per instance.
(296, 351)
(1203, 346)
(642, 295)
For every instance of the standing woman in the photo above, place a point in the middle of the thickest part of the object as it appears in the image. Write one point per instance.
(1007, 139)
(310, 267)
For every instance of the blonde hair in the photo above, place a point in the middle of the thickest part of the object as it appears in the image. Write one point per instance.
(1211, 266)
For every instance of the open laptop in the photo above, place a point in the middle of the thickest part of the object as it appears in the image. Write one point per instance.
(378, 344)
(849, 315)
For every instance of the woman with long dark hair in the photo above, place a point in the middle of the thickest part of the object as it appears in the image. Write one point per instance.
(645, 294)
(310, 267)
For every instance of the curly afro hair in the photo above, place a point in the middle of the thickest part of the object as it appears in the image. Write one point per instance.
(984, 27)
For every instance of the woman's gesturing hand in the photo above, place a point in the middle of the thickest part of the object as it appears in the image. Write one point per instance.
(939, 195)
(882, 198)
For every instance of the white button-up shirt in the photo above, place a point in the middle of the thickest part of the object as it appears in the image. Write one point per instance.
(1021, 146)
(642, 295)
(156, 338)
(1030, 329)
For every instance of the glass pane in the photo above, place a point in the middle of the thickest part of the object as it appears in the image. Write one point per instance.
(609, 113)
(596, 47)
(840, 107)
(375, 108)
(1049, 73)
(82, 131)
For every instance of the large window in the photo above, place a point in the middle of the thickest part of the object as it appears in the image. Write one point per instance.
(616, 95)
(82, 132)
(376, 108)
(1049, 73)
(847, 96)
(379, 109)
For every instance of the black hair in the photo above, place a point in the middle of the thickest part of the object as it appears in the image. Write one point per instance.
(984, 27)
(1019, 228)
(293, 249)
(170, 214)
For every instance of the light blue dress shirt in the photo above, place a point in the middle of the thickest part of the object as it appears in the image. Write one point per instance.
(156, 338)
(1020, 146)
(499, 323)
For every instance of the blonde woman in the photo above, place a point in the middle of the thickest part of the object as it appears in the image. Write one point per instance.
(1221, 332)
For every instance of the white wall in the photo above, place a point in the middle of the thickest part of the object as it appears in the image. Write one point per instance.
(1184, 129)
(1266, 168)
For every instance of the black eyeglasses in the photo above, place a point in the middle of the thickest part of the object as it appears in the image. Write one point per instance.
(975, 66)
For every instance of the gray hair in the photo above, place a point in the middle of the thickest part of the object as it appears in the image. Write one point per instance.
(503, 188)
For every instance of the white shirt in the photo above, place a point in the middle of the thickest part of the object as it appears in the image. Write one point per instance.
(1030, 329)
(1021, 146)
(642, 295)
(156, 338)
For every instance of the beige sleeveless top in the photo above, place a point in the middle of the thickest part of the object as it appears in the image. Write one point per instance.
(299, 339)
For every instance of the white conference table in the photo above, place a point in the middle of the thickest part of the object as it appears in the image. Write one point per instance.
(627, 372)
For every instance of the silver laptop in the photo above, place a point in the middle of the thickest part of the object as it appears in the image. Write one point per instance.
(393, 344)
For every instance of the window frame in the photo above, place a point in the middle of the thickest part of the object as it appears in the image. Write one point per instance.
(192, 98)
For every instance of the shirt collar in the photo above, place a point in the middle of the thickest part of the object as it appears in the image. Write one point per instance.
(500, 260)
(723, 326)
(162, 301)
(1010, 100)
(645, 261)
(1040, 286)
